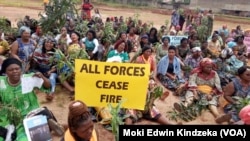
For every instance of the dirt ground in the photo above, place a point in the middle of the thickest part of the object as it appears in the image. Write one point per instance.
(59, 105)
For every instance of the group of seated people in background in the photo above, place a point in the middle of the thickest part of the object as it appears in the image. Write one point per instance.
(207, 70)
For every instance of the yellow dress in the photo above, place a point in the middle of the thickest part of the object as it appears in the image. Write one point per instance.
(69, 137)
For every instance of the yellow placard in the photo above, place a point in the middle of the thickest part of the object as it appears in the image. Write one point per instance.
(100, 83)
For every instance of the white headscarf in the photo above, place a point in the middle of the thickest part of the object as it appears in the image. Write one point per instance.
(115, 59)
(195, 49)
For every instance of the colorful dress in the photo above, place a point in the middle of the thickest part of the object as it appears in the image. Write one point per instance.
(160, 52)
(204, 86)
(44, 65)
(24, 103)
(25, 52)
(239, 91)
(86, 9)
(140, 59)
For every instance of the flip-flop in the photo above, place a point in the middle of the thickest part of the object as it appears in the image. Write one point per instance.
(49, 97)
(177, 107)
(56, 127)
(223, 118)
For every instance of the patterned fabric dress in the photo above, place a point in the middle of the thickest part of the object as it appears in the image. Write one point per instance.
(22, 102)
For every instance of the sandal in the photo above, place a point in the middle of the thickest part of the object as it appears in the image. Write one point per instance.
(177, 106)
(50, 97)
(223, 118)
(56, 127)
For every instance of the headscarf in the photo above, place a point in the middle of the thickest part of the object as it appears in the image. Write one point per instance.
(115, 59)
(244, 114)
(195, 49)
(229, 39)
(204, 62)
(144, 36)
(24, 29)
(231, 44)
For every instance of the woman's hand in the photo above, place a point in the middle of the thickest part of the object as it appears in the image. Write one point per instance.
(48, 73)
(195, 94)
(38, 74)
(172, 77)
(209, 97)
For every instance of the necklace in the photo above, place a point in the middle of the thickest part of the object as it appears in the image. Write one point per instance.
(11, 84)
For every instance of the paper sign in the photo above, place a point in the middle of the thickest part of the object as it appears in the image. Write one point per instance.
(176, 40)
(30, 82)
(101, 83)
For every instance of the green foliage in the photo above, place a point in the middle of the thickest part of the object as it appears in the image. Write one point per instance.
(188, 113)
(12, 114)
(109, 35)
(116, 119)
(156, 92)
(10, 32)
(241, 102)
(63, 62)
(56, 16)
(82, 28)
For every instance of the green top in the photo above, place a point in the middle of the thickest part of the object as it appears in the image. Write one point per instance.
(13, 95)
(123, 55)
(160, 52)
(23, 102)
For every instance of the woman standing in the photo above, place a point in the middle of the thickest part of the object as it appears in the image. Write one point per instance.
(86, 10)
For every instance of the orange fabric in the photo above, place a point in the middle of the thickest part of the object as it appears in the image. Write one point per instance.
(205, 89)
(223, 102)
(69, 137)
(150, 61)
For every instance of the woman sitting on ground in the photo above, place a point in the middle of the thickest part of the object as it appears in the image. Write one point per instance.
(147, 58)
(238, 87)
(80, 124)
(119, 51)
(162, 50)
(204, 87)
(11, 93)
(169, 70)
